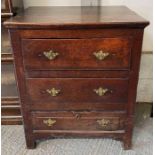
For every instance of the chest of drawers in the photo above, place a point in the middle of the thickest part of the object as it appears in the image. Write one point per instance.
(77, 70)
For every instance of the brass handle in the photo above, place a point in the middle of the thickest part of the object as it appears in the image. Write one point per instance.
(50, 55)
(53, 92)
(49, 122)
(100, 55)
(101, 91)
(103, 122)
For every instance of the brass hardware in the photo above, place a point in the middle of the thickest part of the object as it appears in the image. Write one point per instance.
(53, 91)
(49, 122)
(50, 55)
(101, 91)
(103, 122)
(100, 55)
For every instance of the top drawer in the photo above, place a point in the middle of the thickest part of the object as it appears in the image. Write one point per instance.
(62, 54)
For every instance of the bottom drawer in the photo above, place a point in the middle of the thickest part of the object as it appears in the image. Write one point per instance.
(106, 121)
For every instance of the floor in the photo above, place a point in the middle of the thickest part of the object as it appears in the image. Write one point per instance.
(13, 142)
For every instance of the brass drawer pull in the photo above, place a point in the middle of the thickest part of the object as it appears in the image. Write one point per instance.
(104, 122)
(101, 91)
(53, 92)
(49, 122)
(100, 55)
(50, 55)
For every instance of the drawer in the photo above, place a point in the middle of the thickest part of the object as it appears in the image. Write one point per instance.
(78, 121)
(63, 54)
(76, 90)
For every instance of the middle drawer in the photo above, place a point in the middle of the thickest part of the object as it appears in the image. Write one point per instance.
(79, 91)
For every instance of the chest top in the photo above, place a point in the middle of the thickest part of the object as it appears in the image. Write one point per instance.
(76, 17)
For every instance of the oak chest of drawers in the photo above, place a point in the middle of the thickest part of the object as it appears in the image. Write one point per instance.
(77, 70)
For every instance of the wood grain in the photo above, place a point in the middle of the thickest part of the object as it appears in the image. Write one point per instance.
(77, 17)
(77, 53)
(78, 91)
(78, 121)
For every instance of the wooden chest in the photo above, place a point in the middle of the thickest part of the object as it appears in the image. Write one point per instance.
(77, 70)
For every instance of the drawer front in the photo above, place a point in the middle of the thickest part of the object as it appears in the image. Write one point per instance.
(78, 121)
(77, 90)
(51, 54)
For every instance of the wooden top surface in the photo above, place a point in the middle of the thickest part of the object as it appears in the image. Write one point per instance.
(76, 17)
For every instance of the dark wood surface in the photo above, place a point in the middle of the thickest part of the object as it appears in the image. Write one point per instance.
(10, 8)
(117, 22)
(6, 58)
(86, 121)
(7, 11)
(77, 17)
(83, 56)
(141, 109)
(10, 101)
(10, 111)
(77, 73)
(77, 90)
